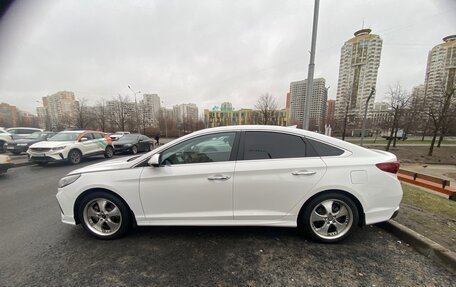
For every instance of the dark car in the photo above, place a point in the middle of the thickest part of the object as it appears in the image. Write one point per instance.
(133, 143)
(20, 145)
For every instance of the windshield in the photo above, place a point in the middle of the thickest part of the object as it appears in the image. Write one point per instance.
(36, 135)
(129, 138)
(64, 137)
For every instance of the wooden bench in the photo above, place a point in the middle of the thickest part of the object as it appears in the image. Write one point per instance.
(427, 181)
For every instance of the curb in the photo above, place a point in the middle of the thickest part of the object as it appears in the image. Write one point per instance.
(422, 244)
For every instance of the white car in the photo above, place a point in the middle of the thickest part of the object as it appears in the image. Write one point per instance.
(71, 146)
(5, 137)
(20, 132)
(5, 163)
(238, 175)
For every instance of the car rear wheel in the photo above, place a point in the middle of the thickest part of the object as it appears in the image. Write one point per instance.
(330, 218)
(134, 149)
(74, 156)
(104, 215)
(109, 152)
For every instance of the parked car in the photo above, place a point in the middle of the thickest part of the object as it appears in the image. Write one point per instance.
(18, 146)
(5, 163)
(71, 146)
(269, 176)
(133, 143)
(5, 137)
(117, 135)
(22, 132)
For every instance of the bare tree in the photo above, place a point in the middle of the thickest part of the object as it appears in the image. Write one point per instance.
(267, 105)
(101, 113)
(438, 109)
(120, 111)
(398, 100)
(81, 115)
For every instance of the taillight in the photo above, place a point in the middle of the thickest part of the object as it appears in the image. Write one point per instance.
(392, 167)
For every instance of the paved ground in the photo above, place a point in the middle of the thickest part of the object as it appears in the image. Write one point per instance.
(37, 250)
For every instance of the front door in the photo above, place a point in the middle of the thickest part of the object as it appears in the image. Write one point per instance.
(194, 183)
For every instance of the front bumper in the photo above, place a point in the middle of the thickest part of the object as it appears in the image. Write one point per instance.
(16, 149)
(122, 149)
(46, 156)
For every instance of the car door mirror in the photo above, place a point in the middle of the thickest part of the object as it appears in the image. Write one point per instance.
(84, 139)
(154, 160)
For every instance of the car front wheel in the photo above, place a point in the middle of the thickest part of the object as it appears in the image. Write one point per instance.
(74, 156)
(330, 218)
(109, 152)
(104, 215)
(134, 149)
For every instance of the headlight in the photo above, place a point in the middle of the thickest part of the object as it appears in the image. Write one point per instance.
(128, 145)
(59, 147)
(21, 144)
(5, 144)
(68, 180)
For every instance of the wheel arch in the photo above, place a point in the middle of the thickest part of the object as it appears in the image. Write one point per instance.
(92, 190)
(359, 206)
(77, 149)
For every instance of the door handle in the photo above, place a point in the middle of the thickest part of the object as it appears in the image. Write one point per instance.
(219, 177)
(303, 172)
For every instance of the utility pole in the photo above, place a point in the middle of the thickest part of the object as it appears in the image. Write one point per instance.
(166, 119)
(136, 107)
(363, 129)
(310, 75)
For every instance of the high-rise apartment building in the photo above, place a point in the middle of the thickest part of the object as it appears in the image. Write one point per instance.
(358, 68)
(440, 70)
(317, 103)
(185, 113)
(59, 108)
(150, 106)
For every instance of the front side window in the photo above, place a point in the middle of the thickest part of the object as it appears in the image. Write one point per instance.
(97, 136)
(270, 145)
(208, 148)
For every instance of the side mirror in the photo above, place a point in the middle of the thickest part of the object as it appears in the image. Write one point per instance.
(154, 160)
(83, 139)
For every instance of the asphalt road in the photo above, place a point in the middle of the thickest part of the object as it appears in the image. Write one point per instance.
(37, 250)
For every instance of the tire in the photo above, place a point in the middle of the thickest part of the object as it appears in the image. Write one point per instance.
(148, 148)
(74, 156)
(109, 152)
(134, 149)
(94, 214)
(330, 227)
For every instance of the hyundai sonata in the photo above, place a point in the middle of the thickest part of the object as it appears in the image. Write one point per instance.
(237, 175)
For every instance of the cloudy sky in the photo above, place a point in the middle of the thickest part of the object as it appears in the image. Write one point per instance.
(204, 51)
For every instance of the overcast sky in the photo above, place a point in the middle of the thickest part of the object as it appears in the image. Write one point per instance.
(204, 52)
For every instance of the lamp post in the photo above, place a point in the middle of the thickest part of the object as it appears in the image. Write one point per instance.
(136, 107)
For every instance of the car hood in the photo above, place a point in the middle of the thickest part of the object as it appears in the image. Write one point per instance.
(50, 144)
(27, 141)
(113, 164)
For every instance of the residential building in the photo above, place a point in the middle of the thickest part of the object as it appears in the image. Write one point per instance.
(150, 106)
(59, 109)
(9, 116)
(185, 114)
(288, 102)
(226, 106)
(330, 108)
(419, 92)
(358, 69)
(440, 71)
(317, 103)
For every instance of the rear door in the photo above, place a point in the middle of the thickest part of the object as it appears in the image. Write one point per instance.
(273, 173)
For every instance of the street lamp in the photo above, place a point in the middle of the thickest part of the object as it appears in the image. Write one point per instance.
(136, 107)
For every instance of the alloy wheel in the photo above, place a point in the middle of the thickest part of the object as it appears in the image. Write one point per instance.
(102, 217)
(331, 219)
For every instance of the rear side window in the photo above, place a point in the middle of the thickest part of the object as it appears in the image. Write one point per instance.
(270, 145)
(323, 149)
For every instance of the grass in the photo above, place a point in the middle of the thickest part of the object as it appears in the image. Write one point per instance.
(427, 201)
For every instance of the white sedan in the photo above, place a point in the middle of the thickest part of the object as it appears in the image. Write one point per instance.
(237, 175)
